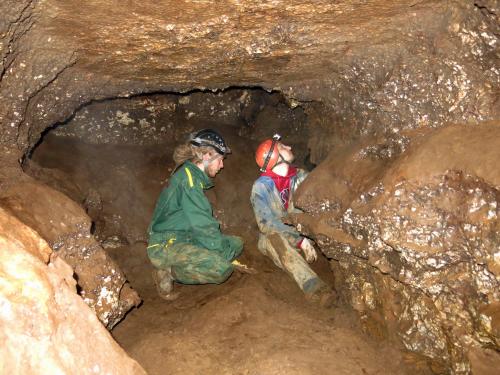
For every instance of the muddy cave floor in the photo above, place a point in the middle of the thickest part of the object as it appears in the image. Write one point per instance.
(252, 324)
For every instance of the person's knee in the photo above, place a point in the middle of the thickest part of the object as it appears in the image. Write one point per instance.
(235, 241)
(223, 274)
(216, 273)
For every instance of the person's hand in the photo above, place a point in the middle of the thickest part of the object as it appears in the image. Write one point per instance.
(309, 251)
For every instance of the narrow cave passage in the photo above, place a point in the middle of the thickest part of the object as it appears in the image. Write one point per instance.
(392, 105)
(115, 156)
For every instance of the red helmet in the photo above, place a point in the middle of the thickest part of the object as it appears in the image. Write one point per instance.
(267, 153)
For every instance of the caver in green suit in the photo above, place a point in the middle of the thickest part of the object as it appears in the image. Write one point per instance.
(184, 235)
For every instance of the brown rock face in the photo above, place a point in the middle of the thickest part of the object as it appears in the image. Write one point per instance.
(370, 67)
(415, 240)
(66, 227)
(409, 215)
(42, 315)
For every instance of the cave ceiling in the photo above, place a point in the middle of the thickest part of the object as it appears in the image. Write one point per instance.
(57, 56)
(180, 45)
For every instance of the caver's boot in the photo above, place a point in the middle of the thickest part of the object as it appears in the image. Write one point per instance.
(322, 295)
(164, 283)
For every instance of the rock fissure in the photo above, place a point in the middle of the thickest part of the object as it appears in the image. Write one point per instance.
(24, 137)
(13, 36)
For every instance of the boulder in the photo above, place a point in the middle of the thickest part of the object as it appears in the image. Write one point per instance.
(45, 327)
(65, 226)
(414, 236)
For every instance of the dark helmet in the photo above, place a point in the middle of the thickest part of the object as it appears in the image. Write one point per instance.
(209, 137)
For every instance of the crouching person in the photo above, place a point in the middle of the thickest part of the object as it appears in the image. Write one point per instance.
(185, 241)
(272, 200)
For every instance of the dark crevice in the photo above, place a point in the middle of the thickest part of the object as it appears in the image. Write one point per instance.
(24, 15)
(484, 9)
(72, 62)
(87, 103)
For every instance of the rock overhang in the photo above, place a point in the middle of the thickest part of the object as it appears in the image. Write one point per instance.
(218, 44)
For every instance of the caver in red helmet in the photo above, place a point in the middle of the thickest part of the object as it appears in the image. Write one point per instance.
(267, 154)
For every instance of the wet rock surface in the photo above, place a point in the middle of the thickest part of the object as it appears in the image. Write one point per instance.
(374, 78)
(167, 118)
(416, 249)
(66, 228)
(423, 64)
(42, 315)
(444, 71)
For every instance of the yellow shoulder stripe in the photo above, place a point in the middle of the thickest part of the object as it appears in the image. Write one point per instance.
(190, 177)
(169, 242)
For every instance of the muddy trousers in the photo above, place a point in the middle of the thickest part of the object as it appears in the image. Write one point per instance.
(289, 259)
(192, 264)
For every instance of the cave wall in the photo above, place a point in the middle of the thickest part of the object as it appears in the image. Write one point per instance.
(65, 226)
(129, 142)
(156, 119)
(42, 315)
(413, 237)
(371, 75)
(440, 68)
(423, 64)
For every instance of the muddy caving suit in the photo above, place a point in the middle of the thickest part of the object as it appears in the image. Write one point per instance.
(185, 236)
(277, 240)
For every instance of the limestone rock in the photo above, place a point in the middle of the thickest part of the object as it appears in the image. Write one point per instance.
(359, 68)
(66, 227)
(45, 328)
(415, 240)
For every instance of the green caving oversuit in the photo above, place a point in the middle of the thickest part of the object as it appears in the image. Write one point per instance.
(185, 236)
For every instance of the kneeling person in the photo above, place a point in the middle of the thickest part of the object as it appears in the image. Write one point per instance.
(185, 240)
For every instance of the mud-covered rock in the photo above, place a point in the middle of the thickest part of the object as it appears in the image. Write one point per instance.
(422, 64)
(45, 327)
(66, 228)
(375, 69)
(167, 118)
(442, 71)
(415, 248)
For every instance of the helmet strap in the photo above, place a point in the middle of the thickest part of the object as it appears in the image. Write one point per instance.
(281, 160)
(276, 138)
(207, 162)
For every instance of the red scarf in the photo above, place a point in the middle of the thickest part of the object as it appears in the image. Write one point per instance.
(282, 183)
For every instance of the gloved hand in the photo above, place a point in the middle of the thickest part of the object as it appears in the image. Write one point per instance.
(309, 251)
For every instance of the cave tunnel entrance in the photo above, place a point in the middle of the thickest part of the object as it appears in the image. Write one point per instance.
(115, 156)
(395, 102)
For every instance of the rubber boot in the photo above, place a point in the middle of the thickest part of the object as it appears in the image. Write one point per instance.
(324, 296)
(164, 283)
